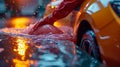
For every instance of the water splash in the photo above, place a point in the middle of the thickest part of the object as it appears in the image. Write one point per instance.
(50, 50)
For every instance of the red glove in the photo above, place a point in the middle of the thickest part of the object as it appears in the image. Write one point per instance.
(36, 26)
(48, 20)
(60, 12)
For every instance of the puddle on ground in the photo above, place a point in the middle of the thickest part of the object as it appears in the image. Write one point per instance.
(49, 50)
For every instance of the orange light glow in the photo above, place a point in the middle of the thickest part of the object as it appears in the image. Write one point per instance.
(57, 24)
(19, 63)
(53, 7)
(20, 22)
(53, 0)
(21, 50)
(21, 47)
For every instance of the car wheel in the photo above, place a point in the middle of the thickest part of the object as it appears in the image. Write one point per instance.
(89, 44)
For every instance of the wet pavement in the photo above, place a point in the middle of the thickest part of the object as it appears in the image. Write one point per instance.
(21, 50)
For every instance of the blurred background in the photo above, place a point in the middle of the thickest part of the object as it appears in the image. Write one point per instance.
(12, 11)
(22, 13)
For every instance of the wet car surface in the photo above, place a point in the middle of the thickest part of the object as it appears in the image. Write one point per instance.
(22, 50)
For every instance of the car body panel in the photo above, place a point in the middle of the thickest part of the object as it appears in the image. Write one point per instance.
(106, 25)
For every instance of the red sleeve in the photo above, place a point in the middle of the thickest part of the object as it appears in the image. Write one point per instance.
(62, 10)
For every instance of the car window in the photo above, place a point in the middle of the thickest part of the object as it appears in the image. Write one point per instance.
(104, 2)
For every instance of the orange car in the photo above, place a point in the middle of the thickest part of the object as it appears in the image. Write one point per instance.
(97, 30)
